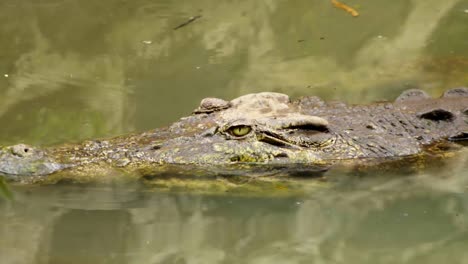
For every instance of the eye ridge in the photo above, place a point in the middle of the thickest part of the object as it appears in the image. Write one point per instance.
(240, 130)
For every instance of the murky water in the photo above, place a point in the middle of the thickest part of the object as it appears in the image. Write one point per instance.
(71, 70)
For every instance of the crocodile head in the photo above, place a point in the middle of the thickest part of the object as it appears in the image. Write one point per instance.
(254, 129)
(24, 160)
(263, 128)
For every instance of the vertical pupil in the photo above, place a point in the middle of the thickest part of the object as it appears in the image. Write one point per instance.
(240, 130)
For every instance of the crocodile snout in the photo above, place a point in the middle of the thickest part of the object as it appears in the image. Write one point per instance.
(25, 160)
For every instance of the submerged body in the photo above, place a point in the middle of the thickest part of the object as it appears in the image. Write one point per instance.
(266, 129)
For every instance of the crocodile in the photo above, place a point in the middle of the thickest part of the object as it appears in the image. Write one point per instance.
(262, 130)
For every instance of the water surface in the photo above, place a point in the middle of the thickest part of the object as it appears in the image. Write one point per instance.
(72, 70)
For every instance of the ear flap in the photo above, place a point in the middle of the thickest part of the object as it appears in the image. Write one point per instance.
(460, 138)
(437, 115)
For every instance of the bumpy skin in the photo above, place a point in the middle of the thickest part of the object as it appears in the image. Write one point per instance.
(266, 129)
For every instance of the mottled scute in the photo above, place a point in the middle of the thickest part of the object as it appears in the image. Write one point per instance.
(456, 92)
(209, 105)
(412, 95)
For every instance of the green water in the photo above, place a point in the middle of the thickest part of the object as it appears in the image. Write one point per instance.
(71, 70)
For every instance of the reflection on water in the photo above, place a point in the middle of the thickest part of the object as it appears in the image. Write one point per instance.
(78, 69)
(418, 219)
(73, 69)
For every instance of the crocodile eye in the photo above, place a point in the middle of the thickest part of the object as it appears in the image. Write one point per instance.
(239, 131)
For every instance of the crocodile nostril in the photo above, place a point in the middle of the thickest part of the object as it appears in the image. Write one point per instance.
(21, 150)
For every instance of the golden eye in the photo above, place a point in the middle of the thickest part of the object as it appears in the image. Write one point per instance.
(239, 131)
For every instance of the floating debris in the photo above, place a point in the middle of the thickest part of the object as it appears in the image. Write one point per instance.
(345, 7)
(147, 42)
(190, 20)
(6, 75)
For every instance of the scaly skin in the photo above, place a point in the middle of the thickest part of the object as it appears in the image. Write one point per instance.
(258, 133)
